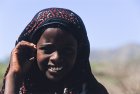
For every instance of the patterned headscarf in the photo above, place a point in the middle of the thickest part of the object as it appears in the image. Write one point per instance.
(54, 16)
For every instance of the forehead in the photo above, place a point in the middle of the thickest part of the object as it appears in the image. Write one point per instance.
(52, 32)
(56, 35)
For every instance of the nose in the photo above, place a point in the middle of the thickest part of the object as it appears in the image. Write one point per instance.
(54, 57)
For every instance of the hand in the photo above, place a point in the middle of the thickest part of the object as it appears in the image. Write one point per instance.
(22, 57)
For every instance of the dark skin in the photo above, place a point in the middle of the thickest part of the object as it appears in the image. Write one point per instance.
(18, 67)
(56, 55)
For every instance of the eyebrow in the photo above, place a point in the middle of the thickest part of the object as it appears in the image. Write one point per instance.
(68, 44)
(46, 44)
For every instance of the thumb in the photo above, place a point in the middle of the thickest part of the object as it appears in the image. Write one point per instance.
(31, 59)
(28, 64)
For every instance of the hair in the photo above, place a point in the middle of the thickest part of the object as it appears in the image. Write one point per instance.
(68, 21)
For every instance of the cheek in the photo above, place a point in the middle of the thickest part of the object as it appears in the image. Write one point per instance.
(39, 57)
(74, 56)
(42, 60)
(71, 60)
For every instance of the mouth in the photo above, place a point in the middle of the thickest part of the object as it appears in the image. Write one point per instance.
(54, 69)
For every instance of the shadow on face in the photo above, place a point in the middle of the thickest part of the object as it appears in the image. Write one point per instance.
(56, 53)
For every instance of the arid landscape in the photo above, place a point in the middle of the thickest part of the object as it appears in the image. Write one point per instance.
(118, 69)
(118, 79)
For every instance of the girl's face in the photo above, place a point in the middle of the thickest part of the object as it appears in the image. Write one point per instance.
(56, 53)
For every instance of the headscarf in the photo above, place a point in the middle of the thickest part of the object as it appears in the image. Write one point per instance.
(71, 22)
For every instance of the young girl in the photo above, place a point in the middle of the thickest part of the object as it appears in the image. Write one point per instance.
(51, 56)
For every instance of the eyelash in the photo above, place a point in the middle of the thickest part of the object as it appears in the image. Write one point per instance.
(67, 51)
(49, 50)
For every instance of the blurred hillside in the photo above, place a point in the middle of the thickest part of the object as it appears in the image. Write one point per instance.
(118, 69)
(124, 54)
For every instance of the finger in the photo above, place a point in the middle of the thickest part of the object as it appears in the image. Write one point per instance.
(25, 44)
(28, 64)
(31, 59)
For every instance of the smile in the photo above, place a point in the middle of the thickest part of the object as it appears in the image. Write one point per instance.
(55, 69)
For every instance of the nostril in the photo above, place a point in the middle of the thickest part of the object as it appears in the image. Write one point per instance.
(54, 56)
(56, 59)
(61, 59)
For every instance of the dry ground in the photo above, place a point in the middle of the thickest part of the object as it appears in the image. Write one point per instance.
(118, 78)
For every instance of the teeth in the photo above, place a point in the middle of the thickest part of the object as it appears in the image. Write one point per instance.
(56, 68)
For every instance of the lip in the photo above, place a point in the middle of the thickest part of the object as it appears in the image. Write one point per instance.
(55, 69)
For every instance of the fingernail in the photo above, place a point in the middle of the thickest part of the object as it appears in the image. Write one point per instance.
(32, 44)
(32, 58)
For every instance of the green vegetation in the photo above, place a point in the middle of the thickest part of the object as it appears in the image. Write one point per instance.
(2, 71)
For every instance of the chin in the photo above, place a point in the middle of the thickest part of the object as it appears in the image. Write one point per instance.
(53, 77)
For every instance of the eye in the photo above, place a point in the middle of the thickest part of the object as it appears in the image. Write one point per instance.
(48, 49)
(67, 51)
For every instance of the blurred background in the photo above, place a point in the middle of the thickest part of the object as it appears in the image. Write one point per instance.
(113, 28)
